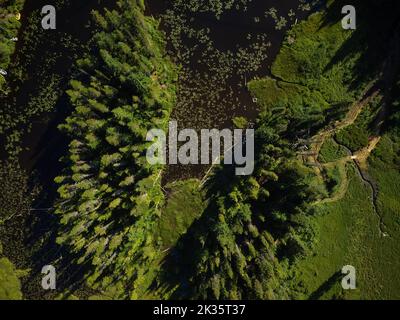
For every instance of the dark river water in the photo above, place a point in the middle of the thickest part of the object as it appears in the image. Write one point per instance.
(232, 31)
(233, 26)
(42, 143)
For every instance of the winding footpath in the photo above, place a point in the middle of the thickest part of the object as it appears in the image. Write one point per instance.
(360, 158)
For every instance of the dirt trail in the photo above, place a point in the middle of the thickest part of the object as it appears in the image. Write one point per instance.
(360, 157)
(319, 139)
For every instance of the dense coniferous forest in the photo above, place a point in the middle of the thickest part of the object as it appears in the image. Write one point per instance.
(138, 81)
(110, 197)
(78, 192)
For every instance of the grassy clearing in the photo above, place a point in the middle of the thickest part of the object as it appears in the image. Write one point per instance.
(384, 167)
(307, 59)
(10, 286)
(348, 234)
(184, 205)
(336, 181)
(306, 107)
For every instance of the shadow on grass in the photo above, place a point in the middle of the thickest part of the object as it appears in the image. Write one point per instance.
(181, 263)
(378, 24)
(326, 286)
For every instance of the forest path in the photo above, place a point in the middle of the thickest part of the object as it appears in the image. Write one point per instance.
(360, 157)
